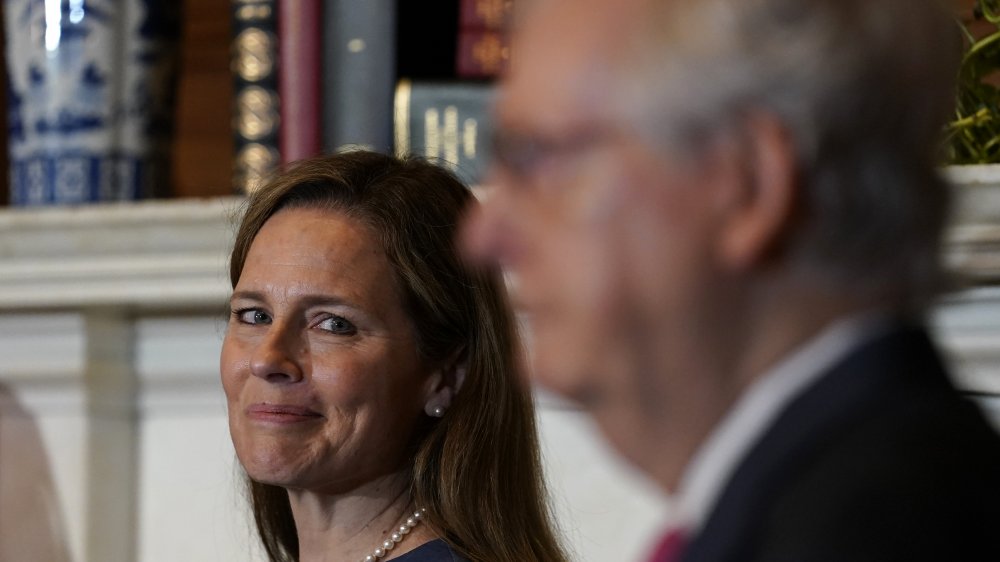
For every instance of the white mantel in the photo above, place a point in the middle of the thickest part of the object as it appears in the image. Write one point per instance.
(111, 319)
(161, 254)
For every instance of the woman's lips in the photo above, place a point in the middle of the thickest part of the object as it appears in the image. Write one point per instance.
(281, 413)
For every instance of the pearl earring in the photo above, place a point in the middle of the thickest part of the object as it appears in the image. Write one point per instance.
(438, 411)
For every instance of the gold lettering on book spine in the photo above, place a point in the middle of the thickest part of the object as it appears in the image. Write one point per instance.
(443, 140)
(256, 113)
(251, 10)
(470, 129)
(490, 52)
(432, 134)
(493, 13)
(401, 117)
(254, 54)
(253, 163)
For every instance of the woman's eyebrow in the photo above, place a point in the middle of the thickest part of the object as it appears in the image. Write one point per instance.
(325, 300)
(307, 300)
(247, 295)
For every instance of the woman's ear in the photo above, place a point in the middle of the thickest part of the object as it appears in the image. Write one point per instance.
(445, 384)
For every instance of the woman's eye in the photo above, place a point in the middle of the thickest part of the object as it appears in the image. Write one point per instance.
(252, 316)
(338, 325)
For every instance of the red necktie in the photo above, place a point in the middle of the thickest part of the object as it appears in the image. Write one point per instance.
(671, 546)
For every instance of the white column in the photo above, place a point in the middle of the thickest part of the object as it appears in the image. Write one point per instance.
(68, 447)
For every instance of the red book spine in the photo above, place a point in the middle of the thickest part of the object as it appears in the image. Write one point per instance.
(484, 14)
(299, 75)
(483, 50)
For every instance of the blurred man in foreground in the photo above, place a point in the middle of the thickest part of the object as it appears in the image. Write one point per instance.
(724, 217)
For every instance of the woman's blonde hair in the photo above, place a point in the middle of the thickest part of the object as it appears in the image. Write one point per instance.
(477, 470)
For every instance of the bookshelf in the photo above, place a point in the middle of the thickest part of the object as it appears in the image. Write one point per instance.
(425, 44)
(203, 146)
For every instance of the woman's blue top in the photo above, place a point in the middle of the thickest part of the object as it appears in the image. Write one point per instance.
(434, 551)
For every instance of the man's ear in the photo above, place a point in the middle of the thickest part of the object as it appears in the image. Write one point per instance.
(763, 206)
(445, 383)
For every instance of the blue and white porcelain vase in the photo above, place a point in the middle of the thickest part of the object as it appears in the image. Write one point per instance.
(91, 86)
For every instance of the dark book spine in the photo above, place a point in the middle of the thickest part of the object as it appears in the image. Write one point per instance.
(5, 175)
(299, 73)
(445, 122)
(255, 61)
(483, 48)
(426, 35)
(359, 73)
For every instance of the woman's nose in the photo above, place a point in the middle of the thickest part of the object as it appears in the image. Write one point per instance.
(277, 357)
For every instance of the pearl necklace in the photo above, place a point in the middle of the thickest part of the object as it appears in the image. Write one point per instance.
(396, 537)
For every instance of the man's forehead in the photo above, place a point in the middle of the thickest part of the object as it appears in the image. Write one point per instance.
(580, 25)
(564, 61)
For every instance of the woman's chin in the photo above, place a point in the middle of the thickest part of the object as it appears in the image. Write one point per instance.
(269, 466)
(273, 475)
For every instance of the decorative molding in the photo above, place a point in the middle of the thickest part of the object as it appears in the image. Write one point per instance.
(151, 255)
(173, 254)
(973, 240)
(967, 327)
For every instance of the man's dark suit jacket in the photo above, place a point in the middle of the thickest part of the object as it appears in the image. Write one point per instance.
(881, 460)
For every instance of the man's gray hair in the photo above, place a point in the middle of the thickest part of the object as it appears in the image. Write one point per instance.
(864, 88)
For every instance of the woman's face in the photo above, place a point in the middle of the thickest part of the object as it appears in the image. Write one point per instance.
(319, 364)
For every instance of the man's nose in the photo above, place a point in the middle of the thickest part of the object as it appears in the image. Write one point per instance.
(488, 234)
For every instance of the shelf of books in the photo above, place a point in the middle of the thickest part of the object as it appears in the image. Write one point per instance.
(261, 83)
(266, 82)
(317, 76)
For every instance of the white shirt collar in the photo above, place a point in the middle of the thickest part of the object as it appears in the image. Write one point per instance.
(754, 411)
